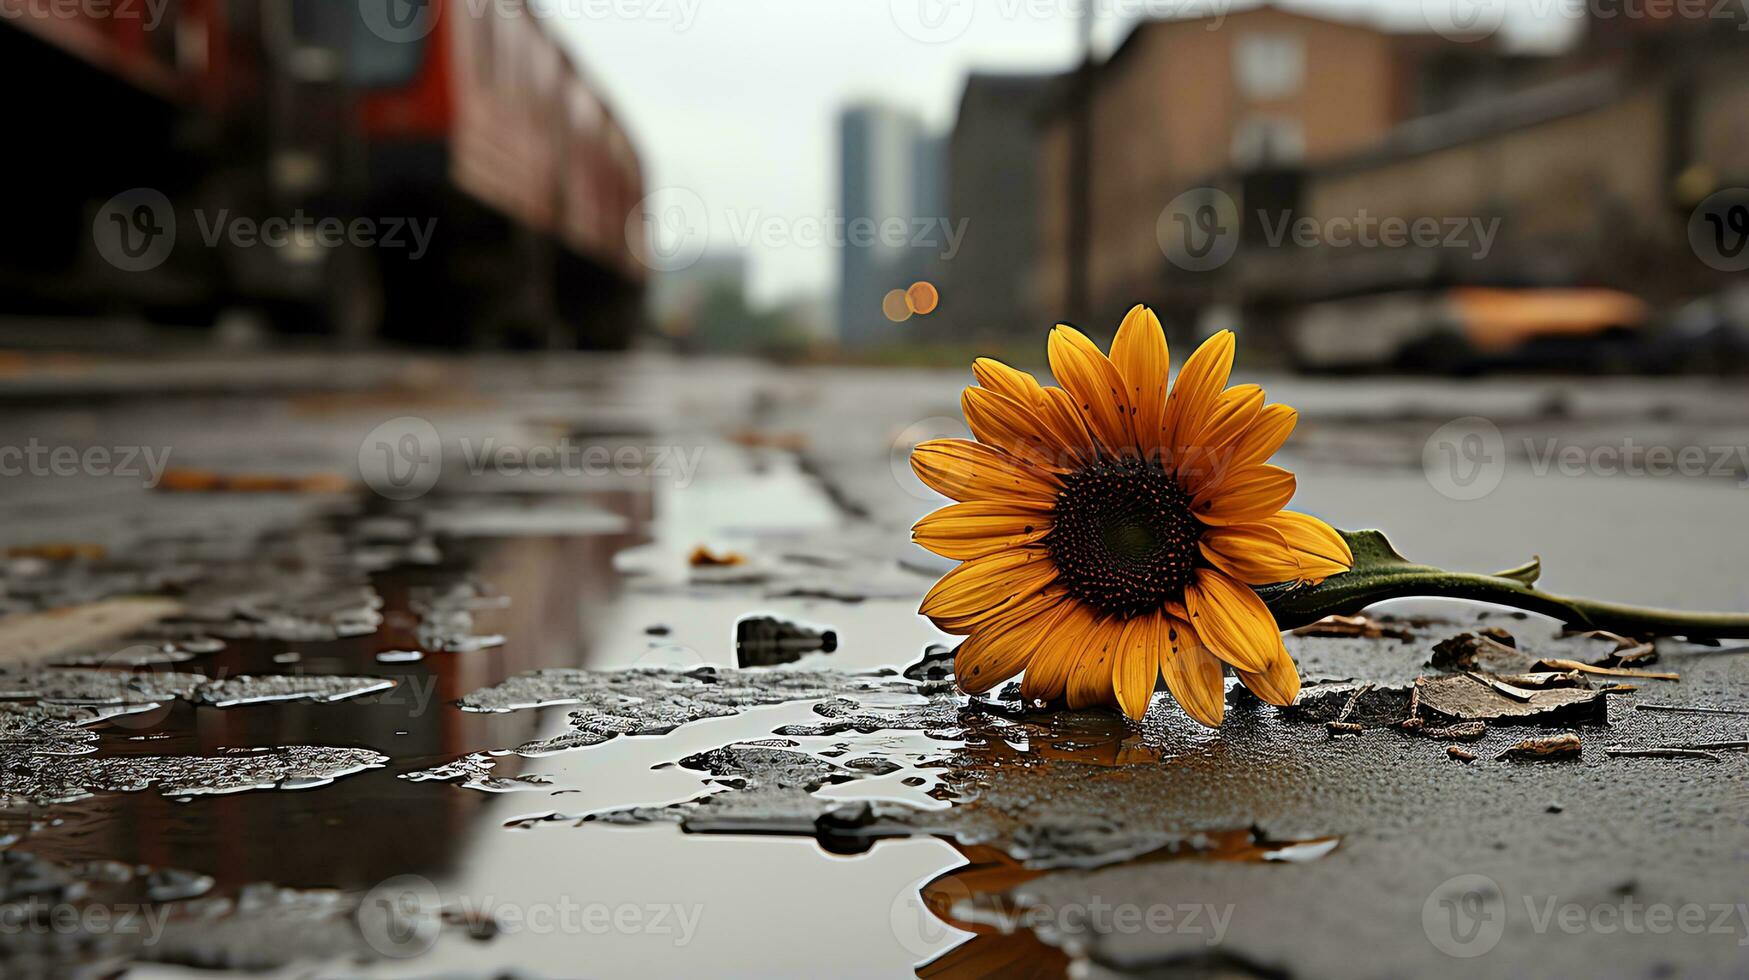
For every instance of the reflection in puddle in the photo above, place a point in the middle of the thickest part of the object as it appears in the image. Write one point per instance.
(987, 898)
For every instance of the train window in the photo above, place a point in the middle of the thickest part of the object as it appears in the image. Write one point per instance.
(374, 56)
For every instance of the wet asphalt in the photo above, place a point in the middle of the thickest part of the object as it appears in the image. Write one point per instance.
(574, 778)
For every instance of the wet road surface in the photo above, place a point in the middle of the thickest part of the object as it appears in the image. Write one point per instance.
(399, 667)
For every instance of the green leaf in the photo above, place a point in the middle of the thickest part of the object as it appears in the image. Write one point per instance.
(1381, 573)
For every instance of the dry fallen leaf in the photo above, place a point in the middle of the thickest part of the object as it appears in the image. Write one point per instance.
(1563, 746)
(1362, 626)
(703, 557)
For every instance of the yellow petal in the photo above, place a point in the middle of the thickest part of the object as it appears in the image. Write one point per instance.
(1138, 664)
(1198, 387)
(999, 377)
(1090, 679)
(1256, 554)
(981, 527)
(1098, 390)
(1141, 357)
(1317, 543)
(1266, 435)
(1232, 621)
(998, 652)
(990, 584)
(1207, 456)
(1047, 673)
(1248, 495)
(1279, 685)
(966, 470)
(1192, 674)
(968, 623)
(1066, 421)
(1000, 421)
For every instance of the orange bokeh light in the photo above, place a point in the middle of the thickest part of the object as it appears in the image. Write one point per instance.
(896, 306)
(922, 298)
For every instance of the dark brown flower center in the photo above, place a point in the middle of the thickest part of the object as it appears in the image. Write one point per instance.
(1123, 538)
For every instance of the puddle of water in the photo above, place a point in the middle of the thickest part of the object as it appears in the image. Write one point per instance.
(986, 898)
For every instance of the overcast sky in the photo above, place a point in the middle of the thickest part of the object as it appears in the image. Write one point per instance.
(736, 100)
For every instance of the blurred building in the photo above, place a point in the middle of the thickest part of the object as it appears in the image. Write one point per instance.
(891, 175)
(993, 191)
(677, 296)
(1553, 195)
(1258, 91)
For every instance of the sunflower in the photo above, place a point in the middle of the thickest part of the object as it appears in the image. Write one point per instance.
(1110, 533)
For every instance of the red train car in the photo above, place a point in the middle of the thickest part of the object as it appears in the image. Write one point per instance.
(430, 171)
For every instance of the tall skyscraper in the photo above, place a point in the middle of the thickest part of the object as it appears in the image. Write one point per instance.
(891, 178)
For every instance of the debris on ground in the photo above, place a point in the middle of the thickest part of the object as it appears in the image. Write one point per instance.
(1491, 650)
(1471, 698)
(1690, 709)
(1562, 664)
(1460, 754)
(766, 641)
(1633, 656)
(704, 557)
(1563, 746)
(1361, 626)
(1432, 705)
(1618, 752)
(1342, 726)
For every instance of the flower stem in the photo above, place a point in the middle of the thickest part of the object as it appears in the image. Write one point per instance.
(1380, 573)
